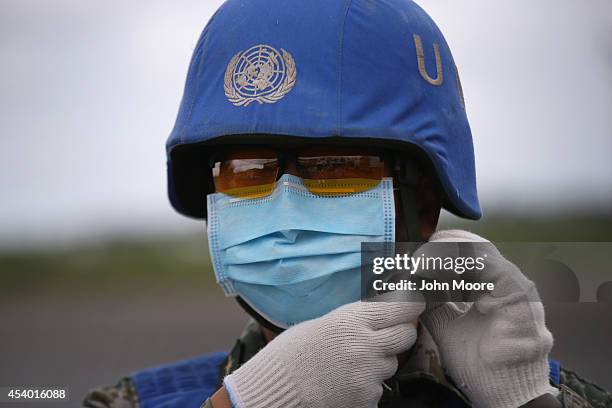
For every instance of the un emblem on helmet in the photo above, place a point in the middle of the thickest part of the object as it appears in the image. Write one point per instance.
(260, 74)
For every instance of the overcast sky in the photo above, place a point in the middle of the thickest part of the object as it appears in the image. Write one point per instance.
(89, 91)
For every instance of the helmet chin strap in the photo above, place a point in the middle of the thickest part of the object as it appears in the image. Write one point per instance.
(258, 318)
(407, 176)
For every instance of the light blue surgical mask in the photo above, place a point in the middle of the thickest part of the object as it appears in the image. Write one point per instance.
(293, 255)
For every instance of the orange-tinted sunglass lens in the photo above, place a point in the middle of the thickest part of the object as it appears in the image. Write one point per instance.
(248, 178)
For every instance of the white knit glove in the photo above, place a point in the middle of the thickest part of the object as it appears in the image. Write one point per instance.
(338, 360)
(495, 349)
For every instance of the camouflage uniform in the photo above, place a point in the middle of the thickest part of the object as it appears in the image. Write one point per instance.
(420, 382)
(122, 395)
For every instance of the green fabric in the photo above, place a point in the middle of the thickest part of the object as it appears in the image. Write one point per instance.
(122, 395)
(576, 390)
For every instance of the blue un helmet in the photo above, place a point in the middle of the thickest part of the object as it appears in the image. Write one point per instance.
(371, 72)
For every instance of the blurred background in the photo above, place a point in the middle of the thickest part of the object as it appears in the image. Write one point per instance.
(99, 277)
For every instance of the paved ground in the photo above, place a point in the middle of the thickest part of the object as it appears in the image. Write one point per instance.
(79, 342)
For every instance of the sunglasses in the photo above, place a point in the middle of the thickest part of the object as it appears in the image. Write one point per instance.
(323, 175)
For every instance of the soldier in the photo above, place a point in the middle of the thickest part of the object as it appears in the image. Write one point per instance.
(305, 129)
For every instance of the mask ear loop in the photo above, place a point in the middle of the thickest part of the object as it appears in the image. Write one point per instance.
(407, 175)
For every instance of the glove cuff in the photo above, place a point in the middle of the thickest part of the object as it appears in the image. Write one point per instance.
(262, 383)
(509, 387)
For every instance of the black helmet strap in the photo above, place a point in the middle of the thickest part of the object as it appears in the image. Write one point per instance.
(407, 176)
(258, 318)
